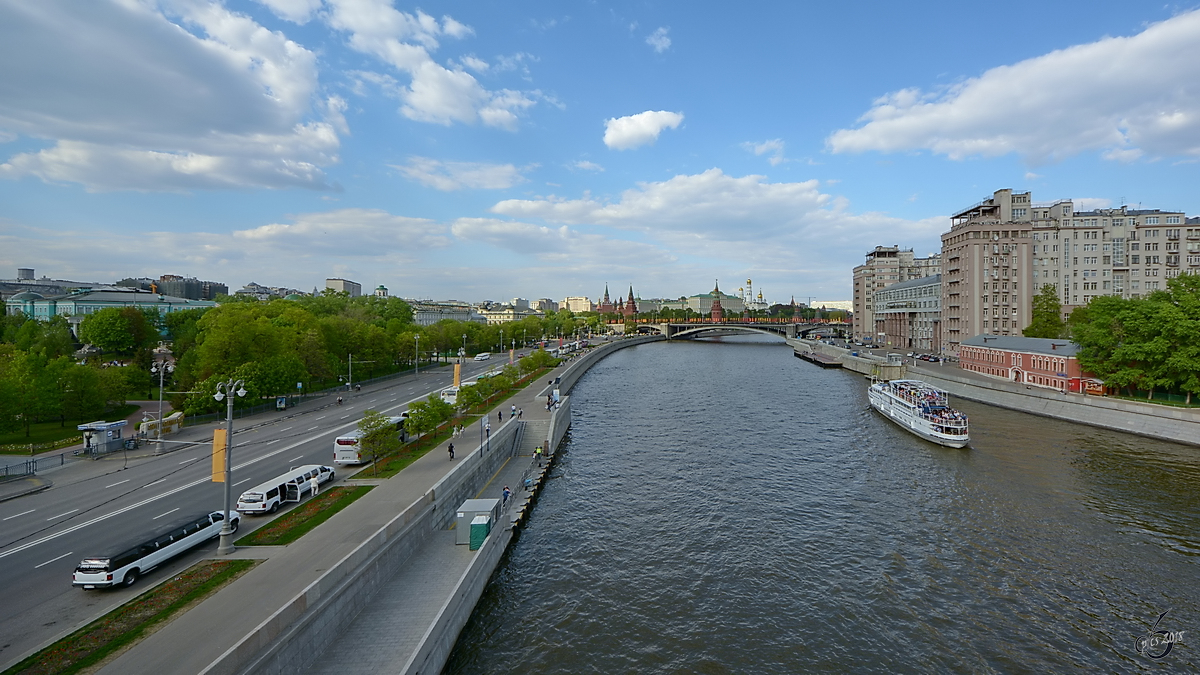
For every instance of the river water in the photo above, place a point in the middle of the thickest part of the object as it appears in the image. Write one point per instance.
(723, 507)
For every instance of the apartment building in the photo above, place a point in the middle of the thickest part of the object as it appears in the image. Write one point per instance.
(884, 266)
(344, 285)
(1001, 251)
(908, 314)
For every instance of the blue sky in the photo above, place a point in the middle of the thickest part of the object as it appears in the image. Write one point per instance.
(489, 150)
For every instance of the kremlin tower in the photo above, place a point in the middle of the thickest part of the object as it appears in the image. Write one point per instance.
(717, 313)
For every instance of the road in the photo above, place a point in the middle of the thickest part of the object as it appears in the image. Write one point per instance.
(95, 504)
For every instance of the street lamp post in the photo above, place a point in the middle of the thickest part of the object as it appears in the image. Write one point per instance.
(227, 390)
(162, 368)
(463, 355)
(416, 355)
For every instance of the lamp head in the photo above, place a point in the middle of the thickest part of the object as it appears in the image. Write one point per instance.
(241, 391)
(220, 395)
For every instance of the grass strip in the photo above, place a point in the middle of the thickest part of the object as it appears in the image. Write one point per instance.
(130, 622)
(300, 520)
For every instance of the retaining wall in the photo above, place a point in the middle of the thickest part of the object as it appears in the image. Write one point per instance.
(1181, 425)
(289, 640)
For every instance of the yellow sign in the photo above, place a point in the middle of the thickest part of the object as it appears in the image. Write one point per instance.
(218, 456)
(457, 374)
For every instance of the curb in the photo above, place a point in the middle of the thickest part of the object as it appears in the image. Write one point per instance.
(37, 485)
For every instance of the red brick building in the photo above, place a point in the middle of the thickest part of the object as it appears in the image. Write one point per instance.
(1037, 362)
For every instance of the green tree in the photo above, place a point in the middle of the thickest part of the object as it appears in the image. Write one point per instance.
(378, 437)
(119, 330)
(425, 416)
(1047, 319)
(82, 398)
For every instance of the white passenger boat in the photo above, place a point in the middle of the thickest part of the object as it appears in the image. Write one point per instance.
(921, 409)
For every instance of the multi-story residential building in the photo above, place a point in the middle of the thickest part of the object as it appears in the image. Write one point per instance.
(351, 287)
(179, 287)
(886, 265)
(1000, 252)
(908, 314)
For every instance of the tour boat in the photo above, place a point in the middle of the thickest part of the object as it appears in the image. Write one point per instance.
(921, 409)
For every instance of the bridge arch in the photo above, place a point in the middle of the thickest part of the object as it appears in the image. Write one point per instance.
(696, 331)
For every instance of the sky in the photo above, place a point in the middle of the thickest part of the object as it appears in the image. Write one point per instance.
(491, 150)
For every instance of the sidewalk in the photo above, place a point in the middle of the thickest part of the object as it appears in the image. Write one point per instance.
(408, 601)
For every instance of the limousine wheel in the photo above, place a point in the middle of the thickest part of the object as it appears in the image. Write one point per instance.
(234, 523)
(130, 577)
(274, 508)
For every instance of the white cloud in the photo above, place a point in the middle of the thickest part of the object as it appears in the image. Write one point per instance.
(296, 11)
(659, 40)
(1029, 175)
(717, 217)
(435, 93)
(1091, 203)
(558, 244)
(1121, 96)
(774, 147)
(586, 165)
(623, 133)
(475, 63)
(131, 100)
(346, 232)
(449, 176)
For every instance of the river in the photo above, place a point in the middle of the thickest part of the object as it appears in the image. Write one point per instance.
(723, 507)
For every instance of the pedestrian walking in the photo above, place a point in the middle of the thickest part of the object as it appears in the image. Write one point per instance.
(520, 411)
(537, 453)
(513, 412)
(499, 417)
(314, 485)
(450, 448)
(507, 493)
(339, 401)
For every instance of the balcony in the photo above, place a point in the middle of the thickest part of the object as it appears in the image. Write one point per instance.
(1173, 237)
(1172, 261)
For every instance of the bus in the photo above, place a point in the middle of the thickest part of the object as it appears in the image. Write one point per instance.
(288, 487)
(347, 449)
(122, 565)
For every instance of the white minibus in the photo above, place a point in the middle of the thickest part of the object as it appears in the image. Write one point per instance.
(348, 450)
(288, 487)
(125, 563)
(482, 356)
(449, 395)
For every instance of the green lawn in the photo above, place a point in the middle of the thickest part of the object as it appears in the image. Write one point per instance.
(302, 519)
(53, 431)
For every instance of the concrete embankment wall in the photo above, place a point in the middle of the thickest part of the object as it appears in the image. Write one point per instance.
(1181, 425)
(297, 633)
(1145, 419)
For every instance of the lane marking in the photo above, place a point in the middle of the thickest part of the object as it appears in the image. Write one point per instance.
(165, 514)
(295, 458)
(62, 514)
(242, 481)
(117, 483)
(344, 416)
(273, 440)
(189, 460)
(50, 561)
(20, 514)
(160, 480)
(181, 488)
(311, 428)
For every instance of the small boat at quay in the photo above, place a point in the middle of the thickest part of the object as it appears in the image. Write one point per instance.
(921, 409)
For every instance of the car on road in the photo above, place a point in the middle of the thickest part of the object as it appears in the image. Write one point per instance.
(124, 563)
(483, 356)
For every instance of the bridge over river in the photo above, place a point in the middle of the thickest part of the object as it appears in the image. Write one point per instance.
(709, 328)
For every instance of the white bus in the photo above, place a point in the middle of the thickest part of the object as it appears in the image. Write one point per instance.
(348, 449)
(125, 563)
(288, 487)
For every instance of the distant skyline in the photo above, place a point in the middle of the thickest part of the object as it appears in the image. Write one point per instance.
(488, 150)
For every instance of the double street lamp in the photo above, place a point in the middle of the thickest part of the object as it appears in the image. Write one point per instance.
(416, 355)
(227, 390)
(162, 368)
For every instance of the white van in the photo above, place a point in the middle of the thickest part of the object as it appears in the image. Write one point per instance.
(288, 487)
(348, 450)
(482, 356)
(449, 395)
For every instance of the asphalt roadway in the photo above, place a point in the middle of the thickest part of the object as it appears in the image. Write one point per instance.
(94, 504)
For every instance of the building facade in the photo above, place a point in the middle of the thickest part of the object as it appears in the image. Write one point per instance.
(1036, 362)
(427, 313)
(89, 301)
(1000, 252)
(351, 287)
(578, 304)
(908, 314)
(884, 266)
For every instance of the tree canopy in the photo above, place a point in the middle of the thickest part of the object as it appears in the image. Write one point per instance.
(1047, 321)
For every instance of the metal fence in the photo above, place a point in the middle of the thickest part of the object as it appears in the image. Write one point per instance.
(32, 465)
